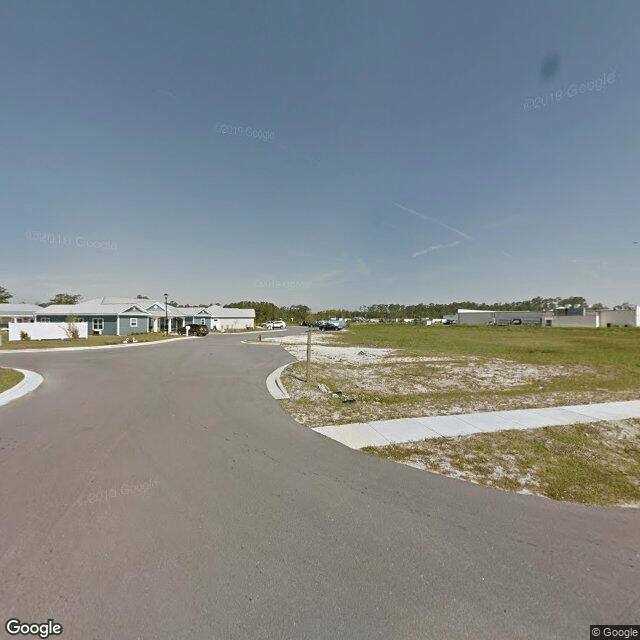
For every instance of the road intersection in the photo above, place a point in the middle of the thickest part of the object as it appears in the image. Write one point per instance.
(163, 493)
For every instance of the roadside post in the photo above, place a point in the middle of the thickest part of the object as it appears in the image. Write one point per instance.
(308, 353)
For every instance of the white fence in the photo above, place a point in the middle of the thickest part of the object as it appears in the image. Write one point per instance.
(224, 324)
(45, 330)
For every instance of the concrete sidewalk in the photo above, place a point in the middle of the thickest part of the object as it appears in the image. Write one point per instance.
(383, 432)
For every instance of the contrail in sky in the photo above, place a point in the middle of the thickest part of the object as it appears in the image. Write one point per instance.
(436, 247)
(442, 224)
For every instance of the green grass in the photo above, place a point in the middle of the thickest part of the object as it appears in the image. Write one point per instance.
(536, 345)
(91, 341)
(592, 464)
(615, 353)
(597, 365)
(9, 378)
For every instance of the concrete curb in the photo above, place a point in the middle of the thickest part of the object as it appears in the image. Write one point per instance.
(274, 384)
(29, 383)
(105, 346)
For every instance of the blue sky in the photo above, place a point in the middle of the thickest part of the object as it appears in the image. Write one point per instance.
(390, 154)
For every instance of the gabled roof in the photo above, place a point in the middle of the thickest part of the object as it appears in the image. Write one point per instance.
(229, 312)
(195, 311)
(15, 308)
(109, 305)
(134, 310)
(116, 300)
(93, 307)
(59, 310)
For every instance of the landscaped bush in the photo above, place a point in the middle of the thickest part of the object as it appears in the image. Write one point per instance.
(72, 330)
(24, 336)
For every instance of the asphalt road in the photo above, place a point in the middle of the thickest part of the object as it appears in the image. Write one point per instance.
(160, 492)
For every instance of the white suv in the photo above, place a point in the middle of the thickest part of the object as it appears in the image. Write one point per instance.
(277, 324)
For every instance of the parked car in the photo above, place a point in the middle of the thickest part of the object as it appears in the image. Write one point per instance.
(277, 324)
(194, 330)
(330, 325)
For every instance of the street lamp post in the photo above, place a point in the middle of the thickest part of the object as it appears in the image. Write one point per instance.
(166, 316)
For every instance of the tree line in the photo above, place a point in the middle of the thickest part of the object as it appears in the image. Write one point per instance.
(298, 313)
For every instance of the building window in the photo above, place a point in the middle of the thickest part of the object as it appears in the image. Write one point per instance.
(45, 320)
(98, 324)
(202, 321)
(80, 319)
(133, 322)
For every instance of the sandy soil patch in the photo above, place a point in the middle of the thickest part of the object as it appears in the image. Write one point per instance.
(377, 384)
(323, 351)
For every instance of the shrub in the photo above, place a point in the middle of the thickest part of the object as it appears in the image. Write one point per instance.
(24, 336)
(72, 330)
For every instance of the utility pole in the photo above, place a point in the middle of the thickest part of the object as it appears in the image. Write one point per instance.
(166, 315)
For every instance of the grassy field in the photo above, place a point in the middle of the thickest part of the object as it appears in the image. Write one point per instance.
(618, 348)
(459, 369)
(9, 378)
(456, 369)
(91, 341)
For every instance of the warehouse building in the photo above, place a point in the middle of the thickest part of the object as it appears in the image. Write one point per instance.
(560, 317)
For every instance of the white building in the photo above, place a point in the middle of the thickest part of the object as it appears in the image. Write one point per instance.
(558, 318)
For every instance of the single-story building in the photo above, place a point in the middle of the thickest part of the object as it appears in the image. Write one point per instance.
(226, 318)
(17, 312)
(104, 316)
(560, 317)
(120, 316)
(491, 317)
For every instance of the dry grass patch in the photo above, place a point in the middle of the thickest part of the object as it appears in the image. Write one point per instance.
(429, 386)
(597, 463)
(403, 371)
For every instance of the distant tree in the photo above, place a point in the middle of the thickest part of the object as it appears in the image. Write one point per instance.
(141, 297)
(64, 298)
(575, 301)
(625, 306)
(597, 306)
(264, 310)
(5, 296)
